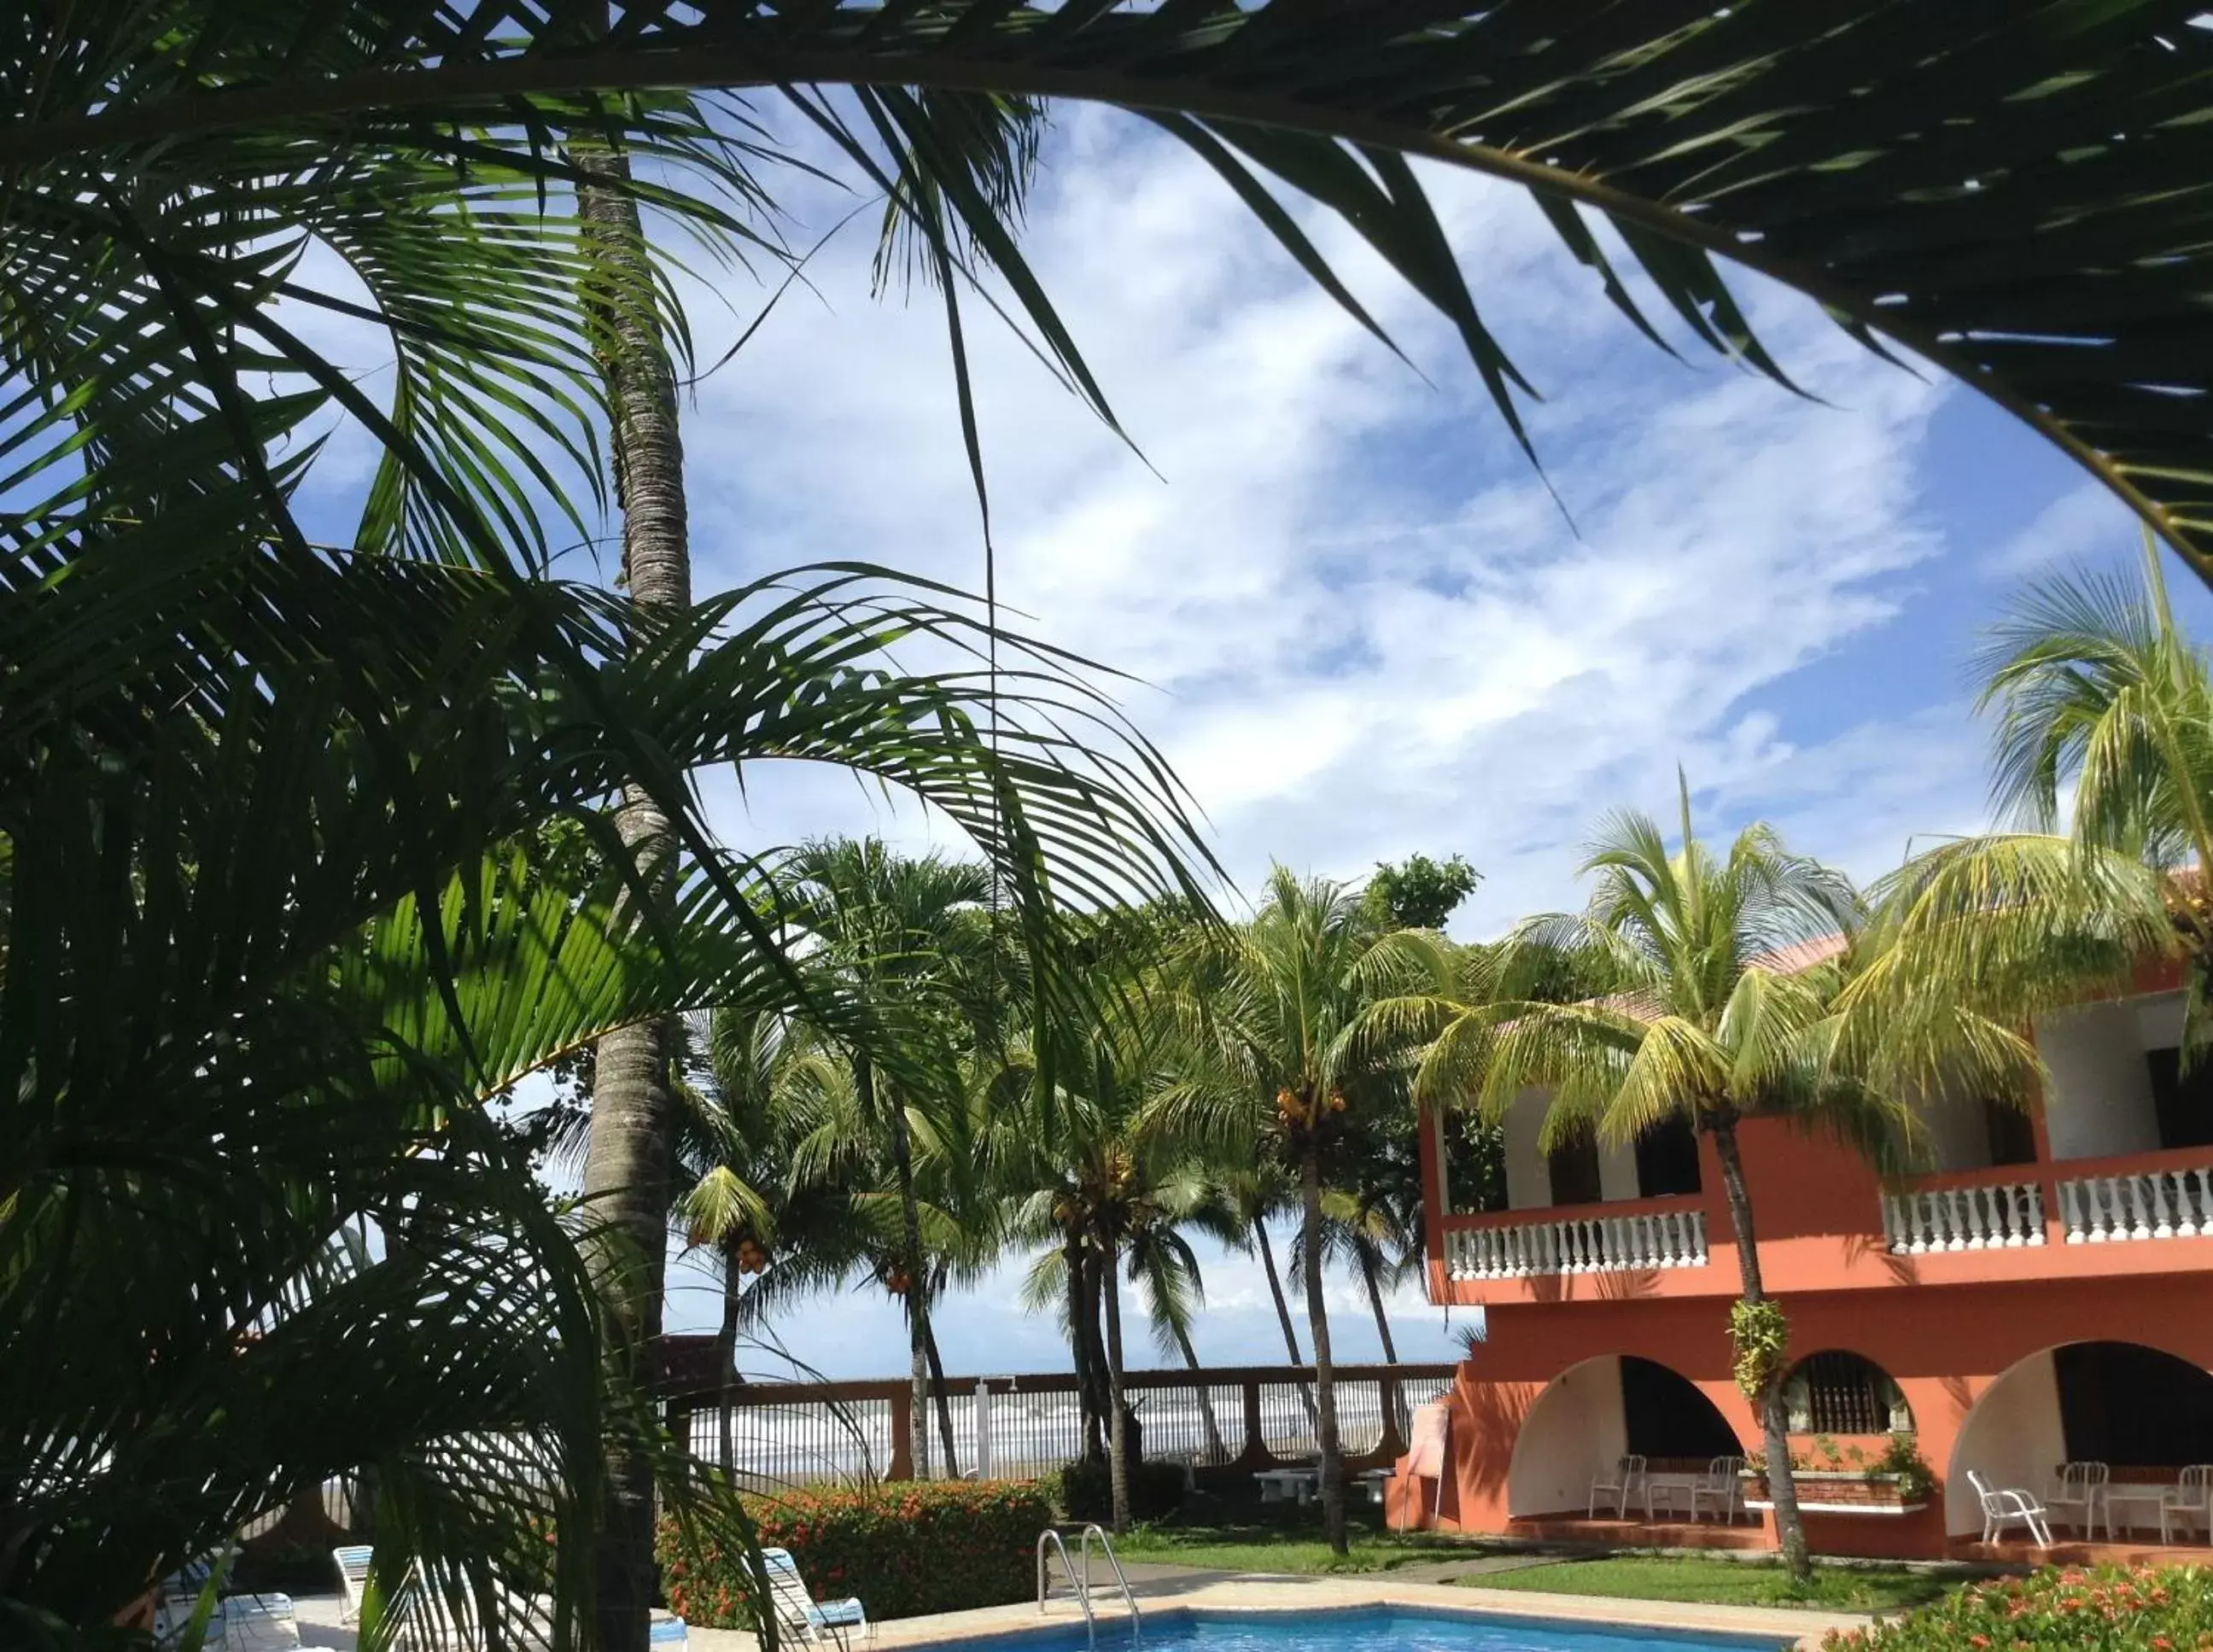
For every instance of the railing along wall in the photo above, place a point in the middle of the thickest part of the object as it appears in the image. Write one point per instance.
(2171, 1197)
(1234, 1419)
(1639, 1241)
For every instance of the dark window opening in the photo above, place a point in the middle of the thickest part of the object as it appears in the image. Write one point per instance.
(2011, 1132)
(1664, 1414)
(2120, 1402)
(1475, 1162)
(1841, 1392)
(2182, 1098)
(1667, 1159)
(1574, 1169)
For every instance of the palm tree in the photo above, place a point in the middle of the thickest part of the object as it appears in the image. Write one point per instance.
(1716, 979)
(916, 943)
(1286, 1061)
(1725, 134)
(1101, 1179)
(2104, 722)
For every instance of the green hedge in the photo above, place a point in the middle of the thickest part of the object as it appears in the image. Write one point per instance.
(2072, 1610)
(904, 1549)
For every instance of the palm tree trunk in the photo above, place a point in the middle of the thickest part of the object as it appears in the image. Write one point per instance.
(1774, 1434)
(1216, 1452)
(1382, 1320)
(627, 1161)
(1096, 1343)
(726, 1360)
(1117, 1460)
(1283, 1311)
(1332, 1467)
(917, 1286)
(944, 1402)
(1089, 1423)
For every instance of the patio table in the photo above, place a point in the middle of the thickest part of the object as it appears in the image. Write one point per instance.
(2129, 1495)
(1665, 1489)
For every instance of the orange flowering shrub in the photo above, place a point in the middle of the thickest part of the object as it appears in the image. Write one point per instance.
(904, 1549)
(2111, 1609)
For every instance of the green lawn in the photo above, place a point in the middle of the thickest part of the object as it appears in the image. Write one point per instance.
(1724, 1582)
(1290, 1541)
(1291, 1544)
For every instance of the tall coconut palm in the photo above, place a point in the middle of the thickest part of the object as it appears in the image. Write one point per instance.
(917, 945)
(2103, 755)
(1286, 1060)
(1717, 978)
(1107, 1187)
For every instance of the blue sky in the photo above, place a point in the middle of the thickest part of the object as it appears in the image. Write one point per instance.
(1362, 627)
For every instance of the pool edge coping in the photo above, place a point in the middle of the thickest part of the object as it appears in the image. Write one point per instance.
(1232, 1595)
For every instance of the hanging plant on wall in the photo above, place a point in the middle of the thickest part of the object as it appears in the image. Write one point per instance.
(1761, 1334)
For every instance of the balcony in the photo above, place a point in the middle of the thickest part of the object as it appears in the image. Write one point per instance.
(2126, 1199)
(1576, 1239)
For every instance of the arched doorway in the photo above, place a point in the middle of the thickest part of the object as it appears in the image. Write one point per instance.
(1594, 1413)
(2123, 1404)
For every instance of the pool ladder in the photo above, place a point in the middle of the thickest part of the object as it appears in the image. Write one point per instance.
(1050, 1538)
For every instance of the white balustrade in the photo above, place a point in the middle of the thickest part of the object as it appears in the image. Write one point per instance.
(1626, 1244)
(2152, 1205)
(1990, 1216)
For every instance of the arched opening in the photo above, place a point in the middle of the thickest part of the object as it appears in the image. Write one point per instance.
(1837, 1391)
(2142, 1411)
(1593, 1413)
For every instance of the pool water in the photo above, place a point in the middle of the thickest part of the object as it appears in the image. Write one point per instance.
(1367, 1629)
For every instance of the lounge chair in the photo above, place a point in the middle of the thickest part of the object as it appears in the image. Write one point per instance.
(432, 1621)
(1621, 1482)
(353, 1577)
(798, 1613)
(2081, 1486)
(2010, 1507)
(2190, 1503)
(1720, 1486)
(260, 1623)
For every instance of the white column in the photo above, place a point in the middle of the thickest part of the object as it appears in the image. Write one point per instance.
(983, 1430)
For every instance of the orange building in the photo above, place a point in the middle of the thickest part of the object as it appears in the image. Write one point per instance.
(2044, 1295)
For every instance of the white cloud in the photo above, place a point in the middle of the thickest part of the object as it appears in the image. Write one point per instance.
(2087, 522)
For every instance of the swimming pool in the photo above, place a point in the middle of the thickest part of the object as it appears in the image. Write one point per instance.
(1363, 1628)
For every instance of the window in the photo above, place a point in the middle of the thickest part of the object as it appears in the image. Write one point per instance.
(1573, 1165)
(2011, 1132)
(1475, 1162)
(2183, 1100)
(1667, 1159)
(1840, 1393)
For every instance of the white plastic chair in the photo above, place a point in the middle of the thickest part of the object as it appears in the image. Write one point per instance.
(2081, 1486)
(1628, 1472)
(2010, 1507)
(801, 1615)
(2191, 1503)
(353, 1577)
(1721, 1485)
